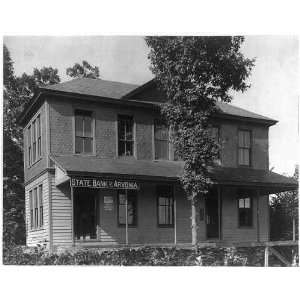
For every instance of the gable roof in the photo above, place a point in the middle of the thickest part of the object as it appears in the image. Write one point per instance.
(125, 93)
(93, 87)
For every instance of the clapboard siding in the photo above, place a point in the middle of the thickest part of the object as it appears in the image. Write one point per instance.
(230, 229)
(38, 236)
(61, 215)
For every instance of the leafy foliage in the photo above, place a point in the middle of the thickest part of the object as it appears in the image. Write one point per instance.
(284, 208)
(84, 70)
(195, 73)
(142, 256)
(16, 95)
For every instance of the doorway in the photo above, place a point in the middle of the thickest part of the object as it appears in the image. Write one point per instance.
(85, 214)
(212, 215)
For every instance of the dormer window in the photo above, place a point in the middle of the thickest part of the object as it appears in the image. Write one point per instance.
(83, 132)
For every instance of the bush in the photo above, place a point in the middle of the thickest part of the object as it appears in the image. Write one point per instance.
(142, 256)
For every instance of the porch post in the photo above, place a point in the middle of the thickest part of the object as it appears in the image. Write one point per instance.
(257, 215)
(194, 219)
(72, 205)
(220, 211)
(126, 217)
(175, 217)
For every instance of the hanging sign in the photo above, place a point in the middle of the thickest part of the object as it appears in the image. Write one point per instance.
(108, 203)
(97, 183)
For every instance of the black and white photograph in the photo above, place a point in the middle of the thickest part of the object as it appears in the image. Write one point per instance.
(156, 150)
(150, 150)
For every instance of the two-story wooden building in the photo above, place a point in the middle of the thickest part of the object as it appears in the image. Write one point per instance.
(96, 149)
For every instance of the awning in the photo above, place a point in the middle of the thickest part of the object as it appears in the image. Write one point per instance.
(74, 165)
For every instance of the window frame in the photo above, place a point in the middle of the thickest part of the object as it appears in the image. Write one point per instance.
(170, 196)
(93, 129)
(250, 147)
(169, 144)
(219, 159)
(34, 140)
(133, 141)
(36, 208)
(135, 223)
(29, 146)
(250, 210)
(31, 205)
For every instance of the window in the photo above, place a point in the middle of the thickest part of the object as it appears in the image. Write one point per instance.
(39, 142)
(245, 212)
(29, 146)
(33, 128)
(34, 141)
(83, 132)
(31, 209)
(244, 147)
(165, 206)
(36, 207)
(41, 205)
(131, 208)
(216, 137)
(161, 140)
(125, 136)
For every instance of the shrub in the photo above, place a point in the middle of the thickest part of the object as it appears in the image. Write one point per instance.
(141, 256)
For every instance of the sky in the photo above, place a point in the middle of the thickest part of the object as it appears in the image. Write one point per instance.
(274, 80)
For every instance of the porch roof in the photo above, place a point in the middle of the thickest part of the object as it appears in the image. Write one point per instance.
(267, 181)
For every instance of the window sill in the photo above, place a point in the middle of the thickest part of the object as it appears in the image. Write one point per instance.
(246, 227)
(245, 166)
(36, 229)
(85, 154)
(33, 164)
(165, 226)
(124, 226)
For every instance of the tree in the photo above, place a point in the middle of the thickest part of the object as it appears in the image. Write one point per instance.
(195, 73)
(85, 70)
(16, 94)
(284, 210)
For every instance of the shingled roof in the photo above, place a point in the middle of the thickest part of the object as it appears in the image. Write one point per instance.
(120, 92)
(171, 170)
(93, 87)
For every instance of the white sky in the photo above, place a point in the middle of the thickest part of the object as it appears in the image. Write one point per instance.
(274, 81)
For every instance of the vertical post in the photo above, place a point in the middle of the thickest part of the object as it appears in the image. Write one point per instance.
(294, 229)
(126, 216)
(194, 220)
(266, 256)
(175, 217)
(257, 215)
(72, 205)
(219, 212)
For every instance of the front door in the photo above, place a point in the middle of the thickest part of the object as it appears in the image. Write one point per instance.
(212, 215)
(85, 214)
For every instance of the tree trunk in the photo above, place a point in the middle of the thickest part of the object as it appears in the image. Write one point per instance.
(194, 219)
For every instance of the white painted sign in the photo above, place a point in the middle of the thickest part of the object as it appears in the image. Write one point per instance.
(104, 183)
(108, 203)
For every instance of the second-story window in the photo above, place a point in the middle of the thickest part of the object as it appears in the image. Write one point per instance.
(83, 132)
(29, 146)
(38, 133)
(34, 140)
(33, 127)
(161, 140)
(125, 135)
(244, 147)
(216, 136)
